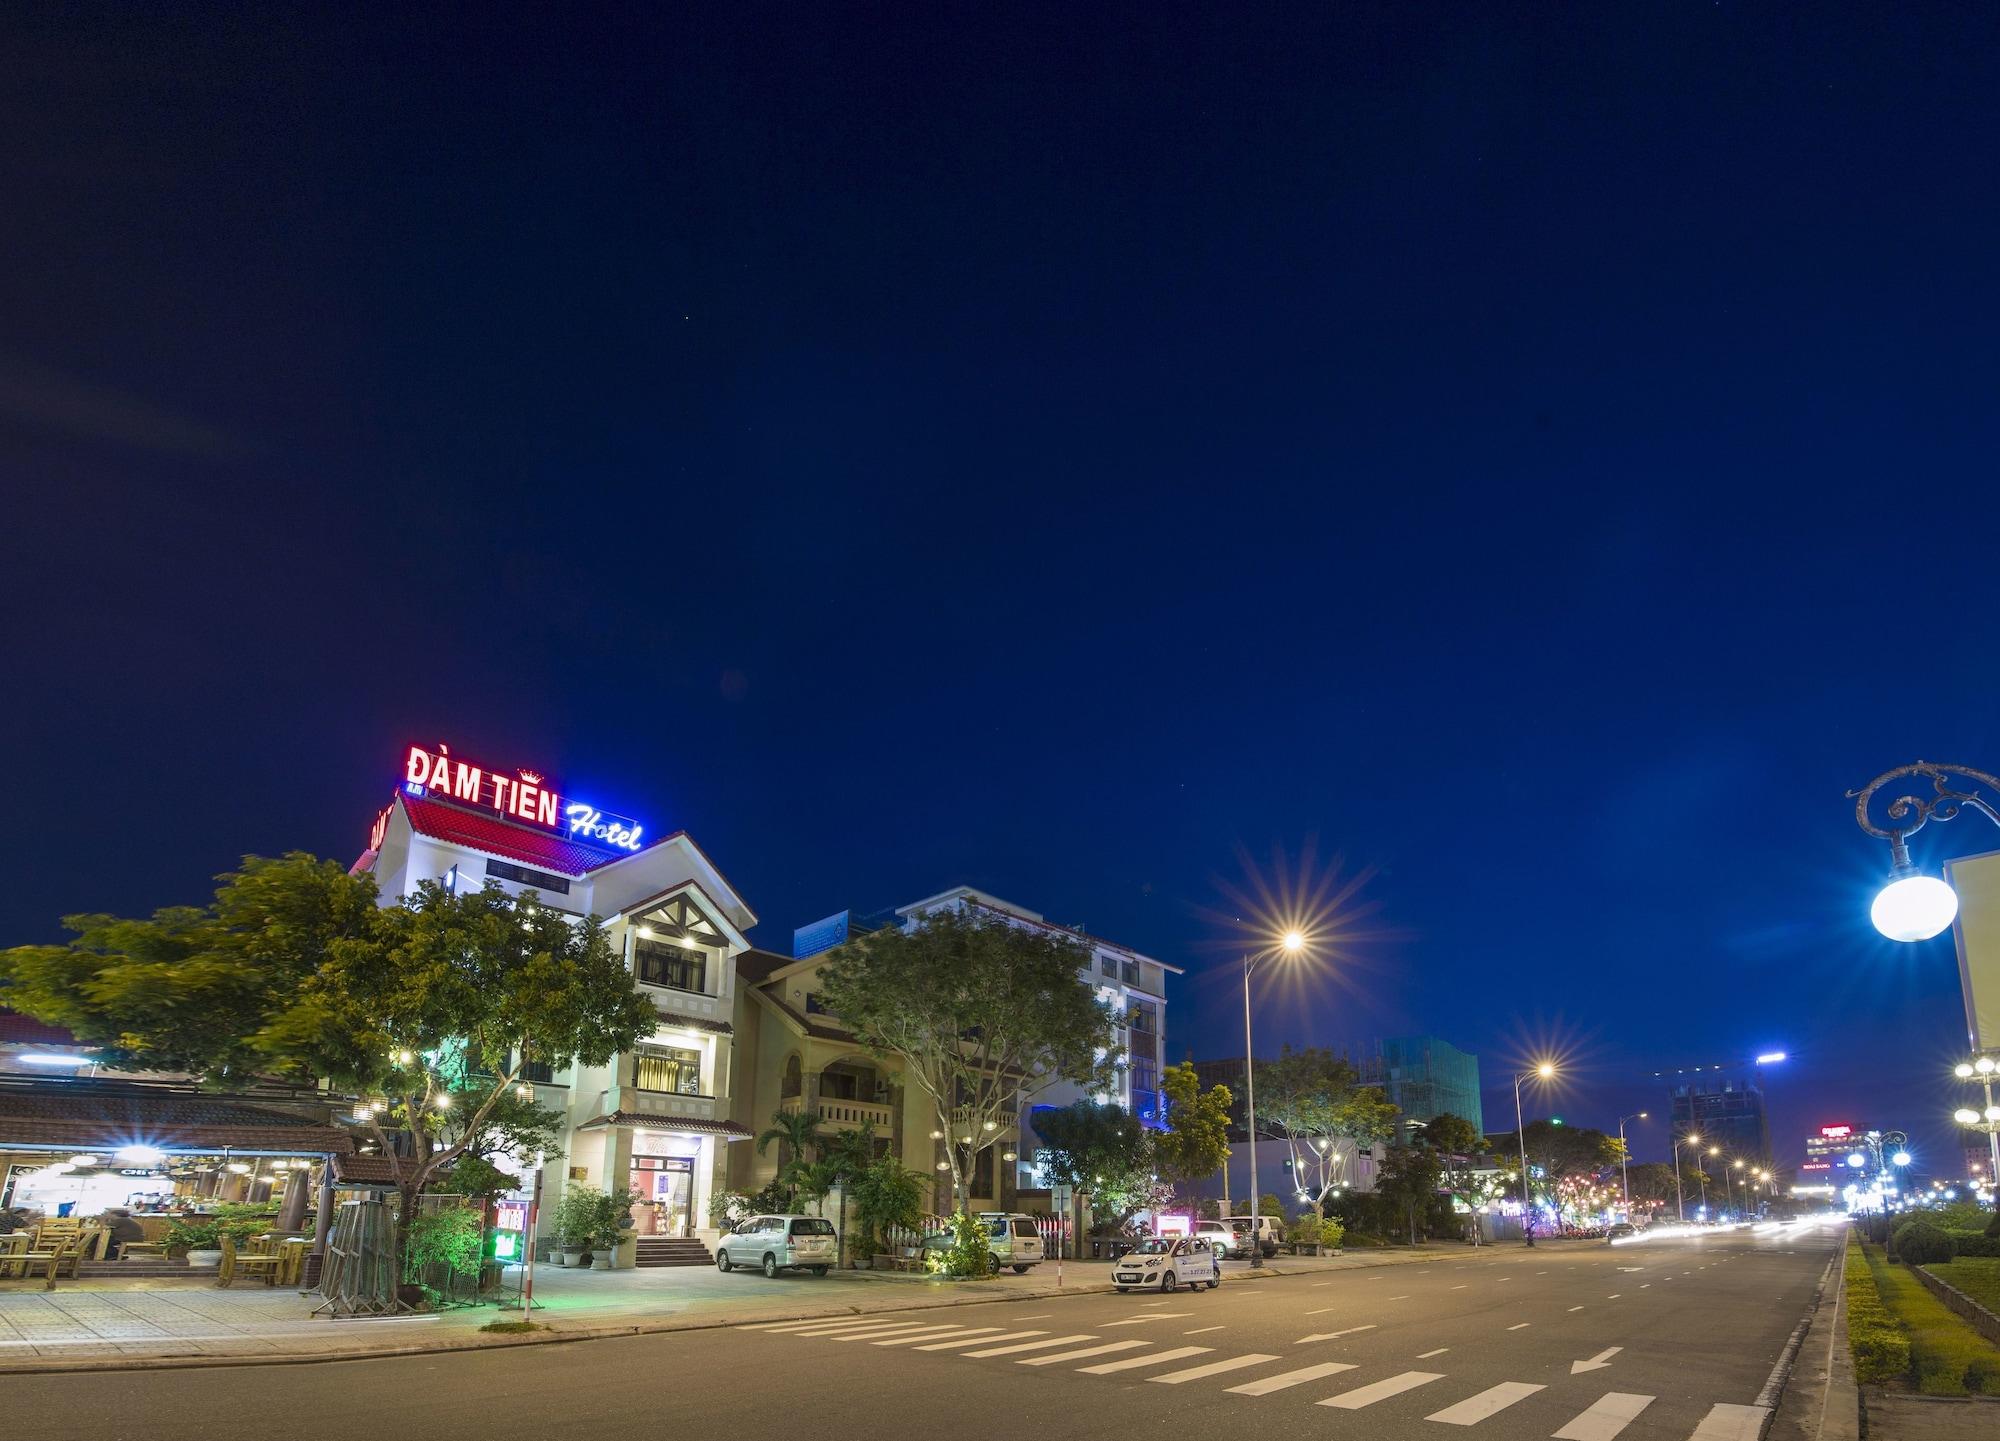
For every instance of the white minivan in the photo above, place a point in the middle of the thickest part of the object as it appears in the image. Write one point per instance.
(779, 1243)
(1012, 1239)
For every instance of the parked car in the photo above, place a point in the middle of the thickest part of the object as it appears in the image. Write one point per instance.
(1266, 1230)
(1012, 1239)
(779, 1243)
(1225, 1238)
(1620, 1230)
(1168, 1263)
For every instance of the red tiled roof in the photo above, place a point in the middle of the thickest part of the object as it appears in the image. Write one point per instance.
(699, 1023)
(730, 1129)
(106, 1119)
(28, 1031)
(501, 837)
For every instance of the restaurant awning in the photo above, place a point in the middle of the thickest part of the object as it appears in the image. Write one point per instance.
(97, 1116)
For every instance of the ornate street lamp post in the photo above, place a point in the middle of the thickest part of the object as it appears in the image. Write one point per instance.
(1914, 906)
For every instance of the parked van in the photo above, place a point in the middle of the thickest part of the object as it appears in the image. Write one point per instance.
(1012, 1239)
(1266, 1233)
(779, 1243)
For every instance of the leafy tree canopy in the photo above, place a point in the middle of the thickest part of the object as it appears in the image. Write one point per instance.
(980, 1010)
(1196, 1142)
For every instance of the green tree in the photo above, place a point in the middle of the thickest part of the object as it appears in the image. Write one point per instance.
(887, 1195)
(1103, 1151)
(980, 1011)
(426, 1009)
(1465, 1170)
(1314, 1102)
(1195, 1144)
(1650, 1181)
(1409, 1181)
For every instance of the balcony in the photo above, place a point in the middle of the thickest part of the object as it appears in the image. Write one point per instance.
(836, 1114)
(1010, 1125)
(667, 1105)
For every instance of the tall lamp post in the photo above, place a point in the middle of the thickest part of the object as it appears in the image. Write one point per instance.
(1544, 1071)
(1680, 1192)
(1739, 1165)
(1982, 1069)
(1291, 943)
(1624, 1160)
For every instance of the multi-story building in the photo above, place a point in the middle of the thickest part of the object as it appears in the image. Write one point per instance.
(1827, 1150)
(656, 1119)
(1729, 1114)
(1426, 1078)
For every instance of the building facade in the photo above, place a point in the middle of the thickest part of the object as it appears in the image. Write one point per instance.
(656, 1119)
(1725, 1113)
(1427, 1078)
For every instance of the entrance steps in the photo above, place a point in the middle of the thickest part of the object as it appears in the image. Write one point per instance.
(673, 1251)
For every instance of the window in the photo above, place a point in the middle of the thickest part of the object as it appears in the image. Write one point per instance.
(794, 1083)
(1139, 1016)
(982, 1174)
(1025, 1228)
(538, 1073)
(1131, 973)
(815, 1006)
(675, 967)
(1143, 1079)
(1108, 965)
(812, 1226)
(521, 875)
(667, 1068)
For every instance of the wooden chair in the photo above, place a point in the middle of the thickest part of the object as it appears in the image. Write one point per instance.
(65, 1254)
(250, 1263)
(13, 1248)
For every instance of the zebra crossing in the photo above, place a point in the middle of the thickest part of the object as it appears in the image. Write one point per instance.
(1087, 1354)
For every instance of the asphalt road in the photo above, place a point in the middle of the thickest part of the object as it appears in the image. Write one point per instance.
(1678, 1339)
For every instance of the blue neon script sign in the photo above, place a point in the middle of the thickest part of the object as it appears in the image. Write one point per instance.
(523, 796)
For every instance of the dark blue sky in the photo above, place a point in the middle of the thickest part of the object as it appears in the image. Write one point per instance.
(1546, 455)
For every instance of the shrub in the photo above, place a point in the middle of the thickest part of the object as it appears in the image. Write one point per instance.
(1974, 1243)
(1978, 1277)
(1919, 1242)
(1331, 1233)
(967, 1254)
(1948, 1356)
(1880, 1346)
(449, 1239)
(576, 1216)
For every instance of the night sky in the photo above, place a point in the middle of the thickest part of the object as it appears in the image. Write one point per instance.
(1539, 456)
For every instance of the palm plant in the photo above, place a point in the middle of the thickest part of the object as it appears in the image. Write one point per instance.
(793, 1131)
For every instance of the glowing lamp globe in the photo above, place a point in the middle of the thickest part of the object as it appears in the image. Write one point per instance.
(1914, 908)
(1993, 1113)
(1901, 1158)
(1965, 1116)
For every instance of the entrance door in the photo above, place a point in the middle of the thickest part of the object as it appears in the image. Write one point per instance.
(666, 1195)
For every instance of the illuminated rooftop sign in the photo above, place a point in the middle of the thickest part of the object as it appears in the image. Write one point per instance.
(1832, 1132)
(523, 796)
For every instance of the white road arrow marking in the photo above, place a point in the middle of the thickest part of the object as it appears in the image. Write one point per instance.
(1331, 1335)
(1595, 1363)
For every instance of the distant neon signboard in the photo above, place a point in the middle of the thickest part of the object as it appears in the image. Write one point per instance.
(1834, 1133)
(524, 796)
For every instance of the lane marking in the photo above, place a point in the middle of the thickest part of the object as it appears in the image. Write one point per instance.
(934, 1329)
(1032, 1345)
(1474, 1409)
(1614, 1295)
(1142, 1320)
(1459, 1287)
(1213, 1368)
(1318, 1284)
(815, 1324)
(1399, 1298)
(1595, 1363)
(1522, 1326)
(976, 1340)
(878, 1328)
(1725, 1422)
(1132, 1363)
(1646, 1286)
(1606, 1417)
(1199, 1329)
(1541, 1273)
(1322, 1310)
(1038, 1316)
(1382, 1390)
(1439, 1352)
(1266, 1385)
(1576, 1308)
(1331, 1335)
(965, 1335)
(1099, 1350)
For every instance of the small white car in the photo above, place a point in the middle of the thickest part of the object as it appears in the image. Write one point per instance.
(1167, 1263)
(779, 1243)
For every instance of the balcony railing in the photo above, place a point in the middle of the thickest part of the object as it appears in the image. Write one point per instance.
(665, 1104)
(1010, 1125)
(837, 1114)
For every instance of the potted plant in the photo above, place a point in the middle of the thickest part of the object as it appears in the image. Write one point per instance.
(610, 1227)
(199, 1238)
(576, 1214)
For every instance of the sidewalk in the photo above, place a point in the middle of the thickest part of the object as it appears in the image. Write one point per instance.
(100, 1324)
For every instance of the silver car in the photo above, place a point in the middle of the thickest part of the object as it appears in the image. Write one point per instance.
(779, 1243)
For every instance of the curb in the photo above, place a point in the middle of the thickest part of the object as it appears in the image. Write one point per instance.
(475, 1341)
